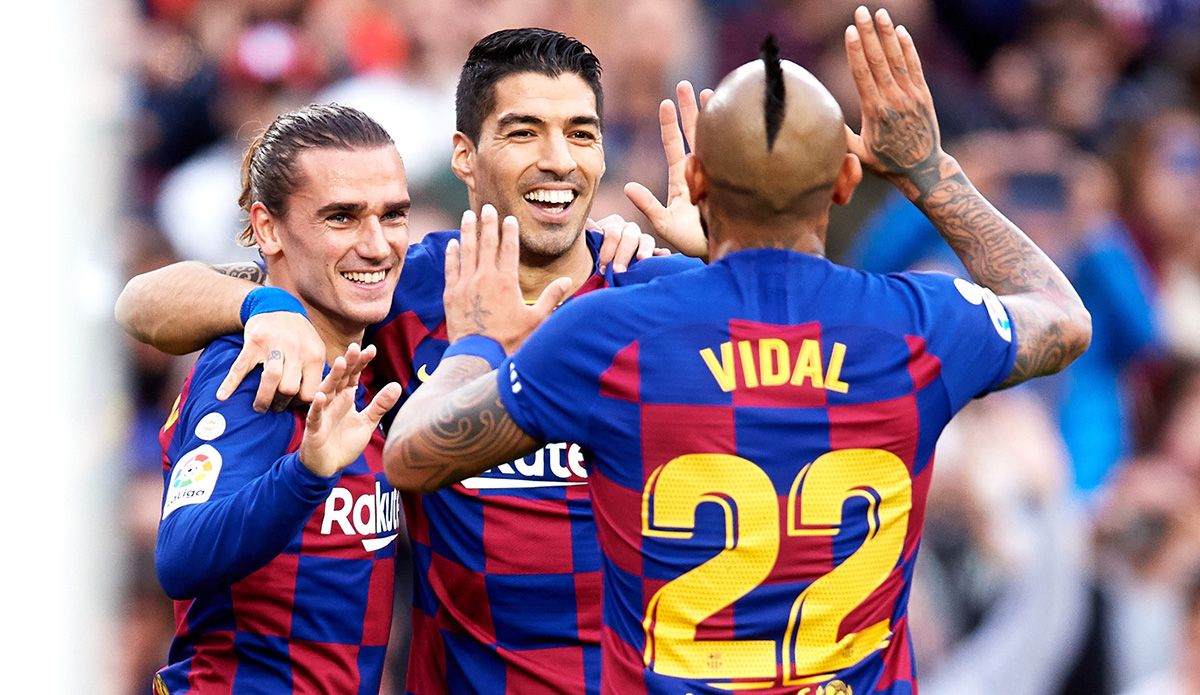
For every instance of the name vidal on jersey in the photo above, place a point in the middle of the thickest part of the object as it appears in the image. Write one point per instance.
(531, 471)
(369, 515)
(775, 362)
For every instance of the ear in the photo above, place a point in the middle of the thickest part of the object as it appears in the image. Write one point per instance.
(697, 182)
(462, 161)
(266, 229)
(848, 178)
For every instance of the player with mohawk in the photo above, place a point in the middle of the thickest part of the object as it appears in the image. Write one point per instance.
(761, 429)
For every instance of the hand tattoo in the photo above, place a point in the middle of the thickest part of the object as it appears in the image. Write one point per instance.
(478, 315)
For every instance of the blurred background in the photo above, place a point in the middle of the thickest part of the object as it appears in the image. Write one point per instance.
(1062, 548)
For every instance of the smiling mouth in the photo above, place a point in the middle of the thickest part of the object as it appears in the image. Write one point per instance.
(552, 201)
(373, 278)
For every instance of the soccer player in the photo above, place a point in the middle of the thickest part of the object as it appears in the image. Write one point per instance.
(760, 431)
(278, 530)
(507, 565)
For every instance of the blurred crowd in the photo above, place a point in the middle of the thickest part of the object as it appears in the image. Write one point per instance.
(1062, 543)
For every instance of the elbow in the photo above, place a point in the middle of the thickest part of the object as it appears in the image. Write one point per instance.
(178, 578)
(125, 310)
(1077, 332)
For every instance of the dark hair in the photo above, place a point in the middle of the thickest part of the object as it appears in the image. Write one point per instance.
(269, 172)
(774, 94)
(511, 51)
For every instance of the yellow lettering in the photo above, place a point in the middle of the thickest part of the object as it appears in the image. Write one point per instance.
(774, 363)
(832, 381)
(721, 370)
(808, 364)
(746, 354)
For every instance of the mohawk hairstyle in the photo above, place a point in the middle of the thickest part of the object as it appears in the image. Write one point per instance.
(775, 93)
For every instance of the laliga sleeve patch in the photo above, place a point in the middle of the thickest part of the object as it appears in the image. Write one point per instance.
(193, 478)
(210, 427)
(996, 312)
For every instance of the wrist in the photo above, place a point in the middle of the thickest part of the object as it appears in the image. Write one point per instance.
(919, 181)
(485, 347)
(264, 300)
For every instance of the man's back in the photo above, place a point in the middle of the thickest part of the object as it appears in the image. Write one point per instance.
(761, 432)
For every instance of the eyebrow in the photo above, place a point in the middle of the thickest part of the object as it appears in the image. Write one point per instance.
(359, 207)
(511, 119)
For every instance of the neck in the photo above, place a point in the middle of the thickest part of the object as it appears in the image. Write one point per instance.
(536, 273)
(729, 234)
(337, 335)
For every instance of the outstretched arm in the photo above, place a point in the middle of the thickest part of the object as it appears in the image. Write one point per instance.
(455, 425)
(182, 307)
(900, 141)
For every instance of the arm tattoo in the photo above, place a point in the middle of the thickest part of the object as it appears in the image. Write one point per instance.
(243, 271)
(460, 430)
(998, 255)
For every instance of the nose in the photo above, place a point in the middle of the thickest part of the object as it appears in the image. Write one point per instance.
(373, 242)
(557, 157)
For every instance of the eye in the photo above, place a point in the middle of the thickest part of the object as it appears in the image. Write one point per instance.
(521, 134)
(338, 218)
(583, 135)
(395, 216)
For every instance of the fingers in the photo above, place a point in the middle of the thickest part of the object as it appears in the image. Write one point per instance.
(646, 203)
(383, 402)
(689, 110)
(916, 74)
(705, 95)
(892, 51)
(508, 258)
(669, 131)
(864, 82)
(627, 246)
(489, 235)
(468, 243)
(316, 412)
(872, 48)
(662, 252)
(310, 379)
(271, 374)
(645, 249)
(608, 247)
(554, 294)
(246, 361)
(854, 144)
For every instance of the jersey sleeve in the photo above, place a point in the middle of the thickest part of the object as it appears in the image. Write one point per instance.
(550, 385)
(968, 329)
(647, 269)
(234, 498)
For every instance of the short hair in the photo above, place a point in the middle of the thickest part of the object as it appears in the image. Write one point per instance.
(511, 51)
(269, 171)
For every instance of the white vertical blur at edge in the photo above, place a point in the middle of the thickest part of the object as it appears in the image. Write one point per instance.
(60, 124)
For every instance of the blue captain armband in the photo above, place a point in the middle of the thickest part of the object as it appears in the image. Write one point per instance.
(264, 300)
(478, 346)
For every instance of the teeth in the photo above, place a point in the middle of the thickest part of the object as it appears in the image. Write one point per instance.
(543, 195)
(366, 278)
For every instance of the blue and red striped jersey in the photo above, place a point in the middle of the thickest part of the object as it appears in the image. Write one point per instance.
(507, 568)
(760, 433)
(282, 579)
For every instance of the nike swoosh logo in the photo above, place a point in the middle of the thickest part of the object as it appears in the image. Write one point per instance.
(423, 373)
(373, 544)
(511, 483)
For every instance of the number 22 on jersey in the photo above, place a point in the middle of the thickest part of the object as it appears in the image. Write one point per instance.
(810, 649)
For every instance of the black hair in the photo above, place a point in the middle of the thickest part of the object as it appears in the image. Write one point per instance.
(774, 94)
(269, 172)
(511, 51)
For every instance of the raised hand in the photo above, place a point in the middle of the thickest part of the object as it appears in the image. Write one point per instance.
(336, 432)
(677, 222)
(292, 356)
(483, 293)
(900, 139)
(623, 242)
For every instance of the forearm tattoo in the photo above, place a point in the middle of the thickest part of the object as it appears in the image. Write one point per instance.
(243, 271)
(461, 430)
(999, 256)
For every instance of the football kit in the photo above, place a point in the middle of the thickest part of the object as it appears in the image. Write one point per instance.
(282, 579)
(760, 435)
(506, 564)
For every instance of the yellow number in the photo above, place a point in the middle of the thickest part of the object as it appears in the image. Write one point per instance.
(811, 648)
(751, 544)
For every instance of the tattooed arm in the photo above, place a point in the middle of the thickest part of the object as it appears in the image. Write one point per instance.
(900, 141)
(184, 306)
(455, 425)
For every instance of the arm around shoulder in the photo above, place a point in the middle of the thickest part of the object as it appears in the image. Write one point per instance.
(182, 307)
